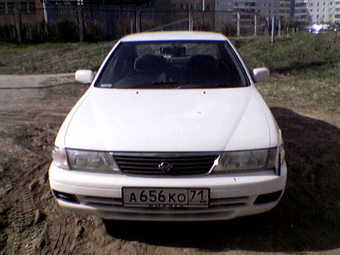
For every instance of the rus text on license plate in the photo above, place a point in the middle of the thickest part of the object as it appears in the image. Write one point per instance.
(165, 197)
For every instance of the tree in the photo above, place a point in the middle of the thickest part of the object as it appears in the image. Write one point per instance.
(161, 4)
(129, 2)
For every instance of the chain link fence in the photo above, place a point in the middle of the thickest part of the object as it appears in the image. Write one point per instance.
(95, 23)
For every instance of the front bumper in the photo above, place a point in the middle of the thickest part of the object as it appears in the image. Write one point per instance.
(230, 196)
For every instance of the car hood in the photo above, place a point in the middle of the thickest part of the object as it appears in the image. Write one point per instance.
(168, 120)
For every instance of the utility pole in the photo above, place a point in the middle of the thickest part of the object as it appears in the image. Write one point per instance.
(238, 29)
(255, 25)
(272, 39)
(6, 7)
(17, 17)
(138, 20)
(80, 20)
(45, 12)
(203, 14)
(190, 20)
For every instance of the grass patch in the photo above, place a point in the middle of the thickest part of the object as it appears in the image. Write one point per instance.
(292, 54)
(304, 66)
(69, 92)
(308, 217)
(305, 70)
(313, 89)
(301, 51)
(51, 57)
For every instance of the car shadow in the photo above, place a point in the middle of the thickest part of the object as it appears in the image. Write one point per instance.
(307, 218)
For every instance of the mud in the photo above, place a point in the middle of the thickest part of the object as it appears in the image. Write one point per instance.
(307, 221)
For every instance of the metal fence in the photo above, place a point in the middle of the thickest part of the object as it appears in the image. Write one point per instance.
(93, 23)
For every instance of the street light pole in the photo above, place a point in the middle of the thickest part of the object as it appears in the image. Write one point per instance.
(45, 11)
(203, 5)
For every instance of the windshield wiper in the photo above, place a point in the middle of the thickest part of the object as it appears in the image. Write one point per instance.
(165, 83)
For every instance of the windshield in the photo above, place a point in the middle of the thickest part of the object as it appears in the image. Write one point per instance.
(173, 64)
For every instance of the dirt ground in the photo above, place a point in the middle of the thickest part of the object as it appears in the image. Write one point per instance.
(307, 221)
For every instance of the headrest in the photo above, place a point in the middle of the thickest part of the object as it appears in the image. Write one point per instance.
(202, 62)
(150, 63)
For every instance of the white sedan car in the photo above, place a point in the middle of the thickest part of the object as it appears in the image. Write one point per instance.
(172, 128)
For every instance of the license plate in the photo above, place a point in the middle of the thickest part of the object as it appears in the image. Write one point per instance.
(168, 197)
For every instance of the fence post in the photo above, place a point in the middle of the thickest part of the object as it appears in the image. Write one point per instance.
(203, 27)
(45, 12)
(272, 38)
(17, 17)
(135, 23)
(131, 26)
(6, 8)
(266, 26)
(190, 20)
(255, 25)
(238, 30)
(80, 22)
(287, 29)
(138, 20)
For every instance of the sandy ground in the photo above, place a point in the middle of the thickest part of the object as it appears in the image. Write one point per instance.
(307, 221)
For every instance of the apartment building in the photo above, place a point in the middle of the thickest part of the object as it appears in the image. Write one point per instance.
(246, 10)
(322, 11)
(337, 12)
(278, 8)
(286, 8)
(195, 5)
(317, 11)
(302, 11)
(261, 7)
(30, 11)
(301, 14)
(268, 7)
(245, 6)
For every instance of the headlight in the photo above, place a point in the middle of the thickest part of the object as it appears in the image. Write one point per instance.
(91, 160)
(60, 158)
(84, 160)
(243, 161)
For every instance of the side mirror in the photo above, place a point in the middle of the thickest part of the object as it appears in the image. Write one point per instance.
(84, 76)
(260, 74)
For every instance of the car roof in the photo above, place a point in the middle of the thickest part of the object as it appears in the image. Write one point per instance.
(174, 35)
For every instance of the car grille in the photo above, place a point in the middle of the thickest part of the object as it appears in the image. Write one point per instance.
(113, 208)
(165, 163)
(225, 203)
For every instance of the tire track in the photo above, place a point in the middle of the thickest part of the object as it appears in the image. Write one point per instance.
(62, 242)
(27, 121)
(22, 218)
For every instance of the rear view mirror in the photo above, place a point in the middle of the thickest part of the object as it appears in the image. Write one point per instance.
(260, 74)
(175, 51)
(84, 76)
